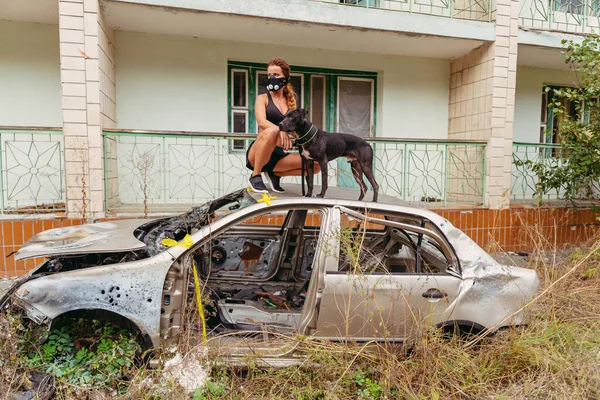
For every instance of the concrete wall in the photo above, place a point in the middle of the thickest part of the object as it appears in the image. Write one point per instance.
(175, 83)
(528, 103)
(30, 85)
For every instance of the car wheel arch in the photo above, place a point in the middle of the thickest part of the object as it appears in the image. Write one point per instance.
(105, 316)
(464, 327)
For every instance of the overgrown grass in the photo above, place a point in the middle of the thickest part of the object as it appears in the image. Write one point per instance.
(556, 356)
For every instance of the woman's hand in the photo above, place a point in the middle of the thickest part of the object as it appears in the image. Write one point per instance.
(284, 140)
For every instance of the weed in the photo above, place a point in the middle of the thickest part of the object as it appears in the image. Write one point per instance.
(212, 390)
(100, 356)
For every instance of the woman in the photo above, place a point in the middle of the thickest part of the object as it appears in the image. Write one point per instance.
(267, 153)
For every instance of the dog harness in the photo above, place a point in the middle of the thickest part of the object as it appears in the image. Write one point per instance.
(297, 141)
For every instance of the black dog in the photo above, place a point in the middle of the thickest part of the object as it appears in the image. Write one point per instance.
(317, 145)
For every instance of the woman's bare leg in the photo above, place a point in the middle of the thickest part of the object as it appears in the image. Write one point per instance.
(263, 147)
(291, 165)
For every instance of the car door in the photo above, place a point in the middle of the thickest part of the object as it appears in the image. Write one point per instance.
(266, 339)
(395, 279)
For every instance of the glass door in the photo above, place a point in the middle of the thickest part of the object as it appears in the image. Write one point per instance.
(355, 106)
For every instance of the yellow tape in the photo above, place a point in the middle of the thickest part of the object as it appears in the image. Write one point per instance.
(266, 199)
(187, 243)
(199, 302)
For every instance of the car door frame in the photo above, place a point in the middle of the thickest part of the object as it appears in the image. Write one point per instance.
(372, 284)
(322, 260)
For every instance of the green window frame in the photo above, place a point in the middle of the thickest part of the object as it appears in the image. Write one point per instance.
(251, 71)
(548, 128)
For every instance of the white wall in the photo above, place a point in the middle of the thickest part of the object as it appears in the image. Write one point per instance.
(175, 83)
(528, 101)
(30, 89)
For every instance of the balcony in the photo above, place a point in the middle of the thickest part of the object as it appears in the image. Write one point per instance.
(573, 16)
(182, 169)
(460, 9)
(418, 28)
(172, 171)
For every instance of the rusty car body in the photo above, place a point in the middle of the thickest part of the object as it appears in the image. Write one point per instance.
(331, 268)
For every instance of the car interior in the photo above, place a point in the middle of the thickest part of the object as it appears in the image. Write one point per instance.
(258, 271)
(377, 248)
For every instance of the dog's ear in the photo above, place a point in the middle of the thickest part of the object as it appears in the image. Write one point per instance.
(303, 112)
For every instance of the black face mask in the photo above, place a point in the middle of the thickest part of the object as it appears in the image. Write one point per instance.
(274, 84)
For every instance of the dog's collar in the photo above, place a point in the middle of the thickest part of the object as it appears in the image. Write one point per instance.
(306, 134)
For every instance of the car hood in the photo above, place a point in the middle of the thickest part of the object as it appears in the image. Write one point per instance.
(102, 237)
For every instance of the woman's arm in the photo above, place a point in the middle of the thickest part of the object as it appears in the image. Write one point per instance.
(260, 111)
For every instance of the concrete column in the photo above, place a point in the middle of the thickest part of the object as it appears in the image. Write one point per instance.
(482, 99)
(88, 92)
(503, 104)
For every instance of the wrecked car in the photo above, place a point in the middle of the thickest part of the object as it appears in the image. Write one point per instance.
(332, 268)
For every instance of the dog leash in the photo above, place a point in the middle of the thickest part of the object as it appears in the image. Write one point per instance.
(302, 169)
(296, 141)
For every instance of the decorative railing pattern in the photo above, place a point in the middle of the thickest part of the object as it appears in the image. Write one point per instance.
(576, 16)
(166, 169)
(31, 171)
(480, 10)
(524, 179)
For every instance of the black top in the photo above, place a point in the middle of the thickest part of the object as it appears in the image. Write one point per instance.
(274, 116)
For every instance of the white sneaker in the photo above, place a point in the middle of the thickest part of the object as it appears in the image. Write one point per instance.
(257, 185)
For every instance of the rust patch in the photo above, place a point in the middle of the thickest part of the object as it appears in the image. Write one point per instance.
(251, 255)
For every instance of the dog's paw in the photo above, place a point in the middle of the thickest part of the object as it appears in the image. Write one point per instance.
(320, 196)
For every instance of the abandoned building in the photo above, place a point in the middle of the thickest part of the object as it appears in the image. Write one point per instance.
(120, 108)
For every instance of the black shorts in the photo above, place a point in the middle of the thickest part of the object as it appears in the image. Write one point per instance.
(277, 155)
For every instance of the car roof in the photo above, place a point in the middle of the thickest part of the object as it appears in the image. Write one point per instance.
(294, 191)
(349, 198)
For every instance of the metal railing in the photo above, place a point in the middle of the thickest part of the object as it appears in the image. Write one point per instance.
(524, 179)
(166, 169)
(31, 170)
(577, 16)
(479, 10)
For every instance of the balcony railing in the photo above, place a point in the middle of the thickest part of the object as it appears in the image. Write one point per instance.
(31, 170)
(479, 10)
(524, 179)
(168, 170)
(576, 16)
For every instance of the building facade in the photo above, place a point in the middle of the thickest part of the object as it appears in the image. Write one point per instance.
(114, 107)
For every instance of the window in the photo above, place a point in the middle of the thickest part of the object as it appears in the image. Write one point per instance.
(551, 121)
(399, 244)
(278, 244)
(318, 100)
(333, 98)
(239, 107)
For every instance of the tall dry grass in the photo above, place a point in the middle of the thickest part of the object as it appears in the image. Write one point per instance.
(556, 356)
